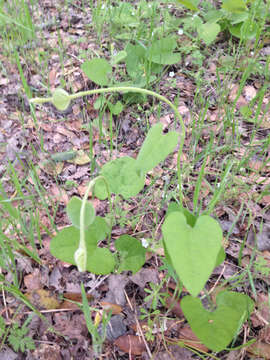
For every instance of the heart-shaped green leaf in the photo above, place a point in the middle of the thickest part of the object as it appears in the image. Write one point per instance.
(208, 32)
(97, 70)
(191, 220)
(216, 329)
(132, 253)
(123, 178)
(156, 147)
(73, 210)
(66, 242)
(161, 52)
(193, 251)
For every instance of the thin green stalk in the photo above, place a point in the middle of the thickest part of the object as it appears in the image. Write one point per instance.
(80, 255)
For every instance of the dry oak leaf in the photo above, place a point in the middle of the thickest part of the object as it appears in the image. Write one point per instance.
(131, 344)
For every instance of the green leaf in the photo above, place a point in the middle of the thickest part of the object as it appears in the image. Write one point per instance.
(190, 218)
(246, 111)
(220, 257)
(217, 329)
(99, 103)
(246, 30)
(101, 261)
(66, 242)
(214, 16)
(73, 210)
(124, 14)
(156, 147)
(234, 6)
(191, 5)
(123, 178)
(119, 57)
(132, 253)
(97, 70)
(134, 60)
(208, 32)
(161, 52)
(60, 99)
(193, 251)
(117, 108)
(237, 18)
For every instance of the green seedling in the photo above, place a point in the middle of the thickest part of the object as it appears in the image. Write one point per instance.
(241, 18)
(124, 176)
(143, 63)
(192, 243)
(18, 338)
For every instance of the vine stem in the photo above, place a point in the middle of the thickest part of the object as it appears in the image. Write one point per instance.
(80, 255)
(141, 91)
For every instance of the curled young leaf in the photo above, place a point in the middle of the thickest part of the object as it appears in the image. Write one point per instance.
(80, 259)
(64, 245)
(61, 99)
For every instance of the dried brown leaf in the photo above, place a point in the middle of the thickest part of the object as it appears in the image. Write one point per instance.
(174, 305)
(260, 349)
(33, 280)
(131, 344)
(116, 309)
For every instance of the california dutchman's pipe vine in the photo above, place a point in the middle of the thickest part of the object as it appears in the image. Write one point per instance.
(61, 100)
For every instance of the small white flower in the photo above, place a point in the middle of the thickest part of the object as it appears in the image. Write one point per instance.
(171, 74)
(180, 32)
(169, 6)
(145, 243)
